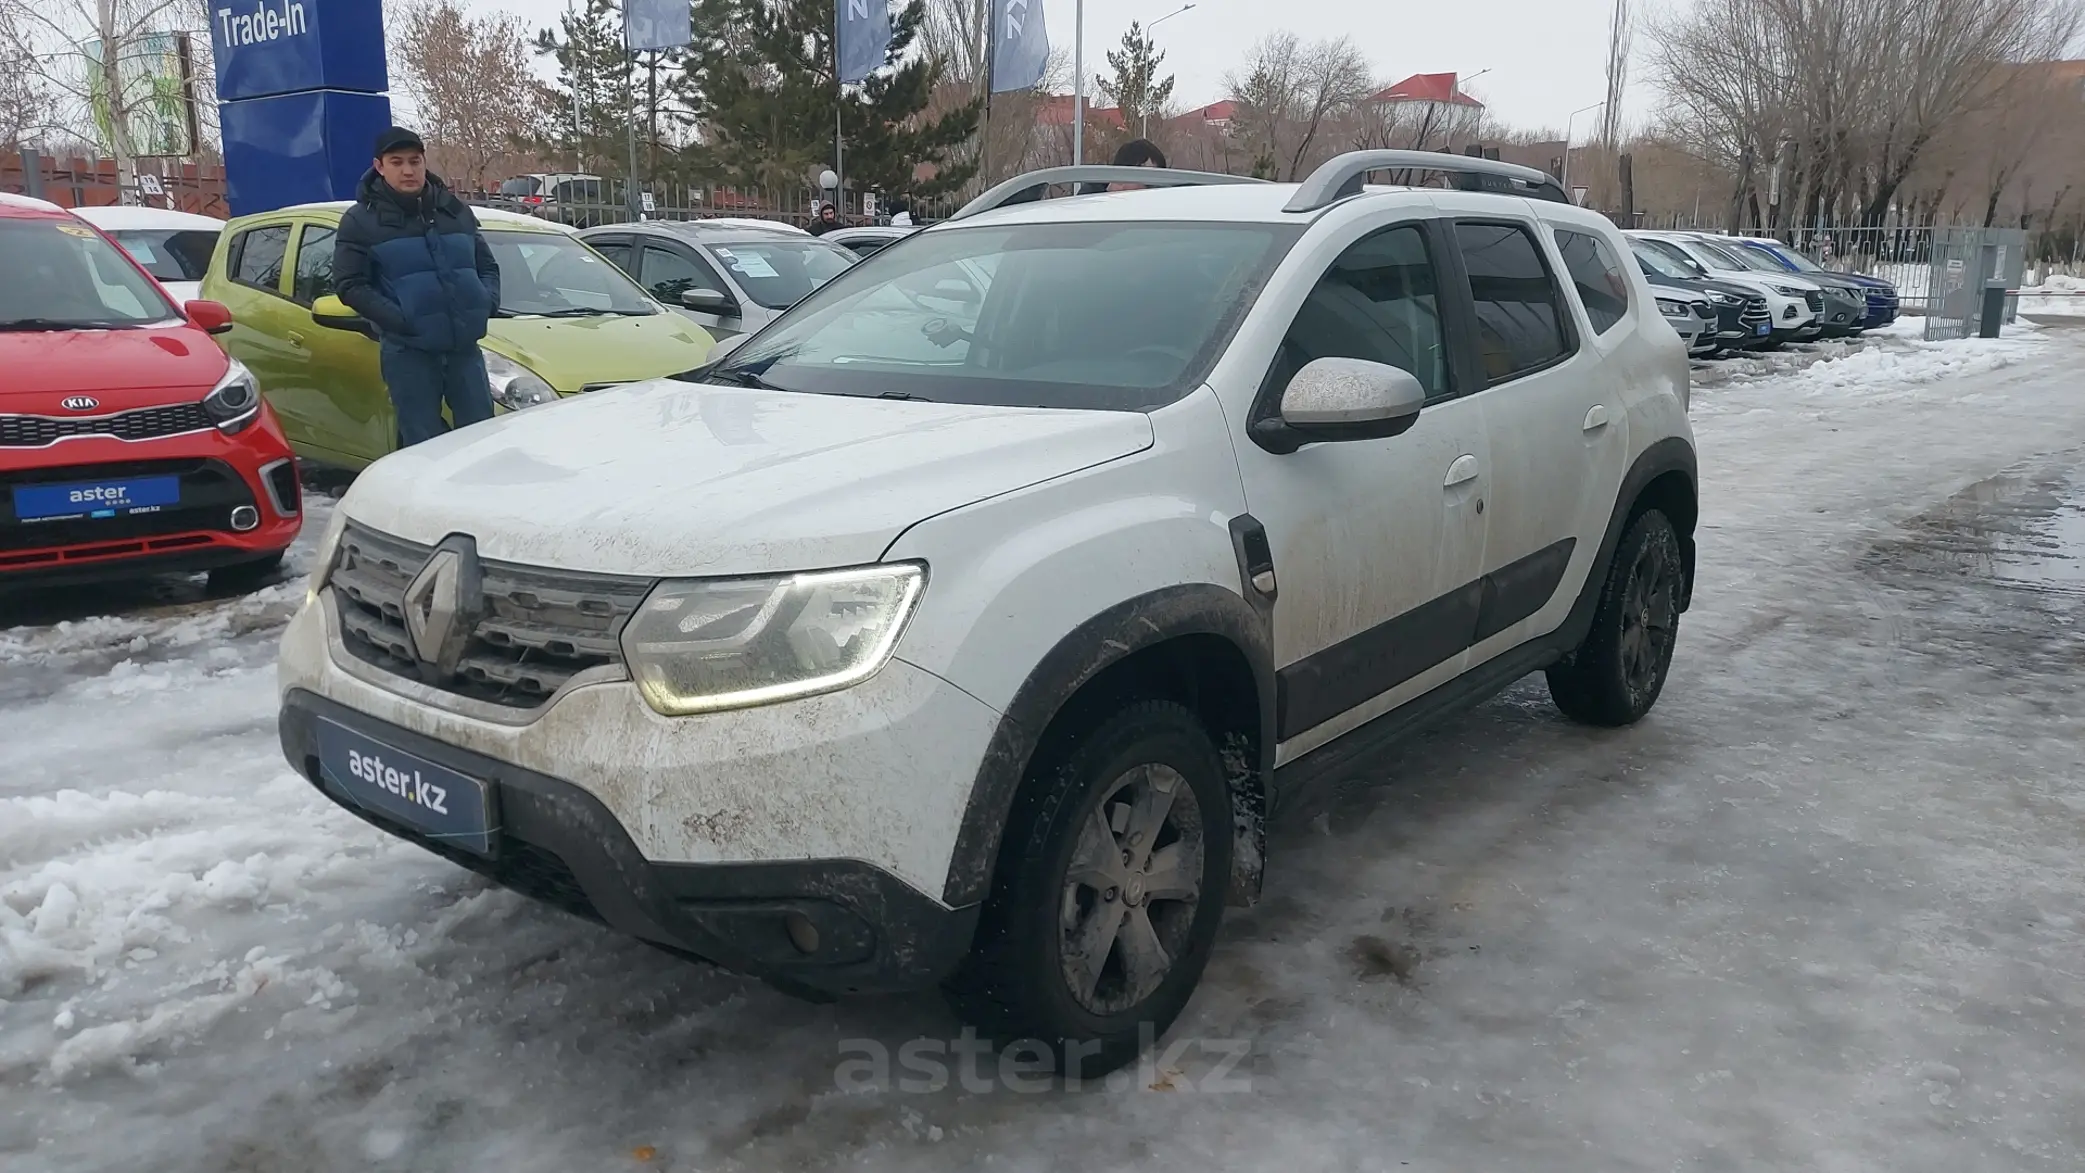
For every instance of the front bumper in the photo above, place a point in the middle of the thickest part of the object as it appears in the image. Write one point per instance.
(220, 475)
(561, 845)
(701, 834)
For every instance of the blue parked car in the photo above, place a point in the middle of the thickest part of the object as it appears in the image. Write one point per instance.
(1882, 296)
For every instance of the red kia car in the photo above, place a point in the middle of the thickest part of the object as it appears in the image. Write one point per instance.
(129, 443)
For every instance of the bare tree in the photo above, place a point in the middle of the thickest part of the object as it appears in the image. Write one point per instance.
(90, 54)
(466, 81)
(1291, 94)
(1828, 108)
(25, 108)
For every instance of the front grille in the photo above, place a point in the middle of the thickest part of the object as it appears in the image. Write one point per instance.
(1815, 300)
(1704, 311)
(1755, 312)
(210, 490)
(150, 423)
(540, 627)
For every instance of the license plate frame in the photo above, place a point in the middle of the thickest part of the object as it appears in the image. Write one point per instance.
(95, 499)
(403, 787)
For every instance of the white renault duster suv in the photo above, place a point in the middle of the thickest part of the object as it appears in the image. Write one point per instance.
(964, 625)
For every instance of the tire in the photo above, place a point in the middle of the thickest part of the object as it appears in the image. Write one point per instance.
(246, 576)
(1614, 677)
(1090, 796)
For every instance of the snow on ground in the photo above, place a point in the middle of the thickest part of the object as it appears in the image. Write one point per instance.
(2057, 296)
(1820, 911)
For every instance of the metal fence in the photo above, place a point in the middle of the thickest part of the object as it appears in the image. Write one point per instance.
(1939, 272)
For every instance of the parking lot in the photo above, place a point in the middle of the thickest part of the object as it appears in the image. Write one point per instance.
(1819, 911)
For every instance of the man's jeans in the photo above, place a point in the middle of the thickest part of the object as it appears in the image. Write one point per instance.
(422, 380)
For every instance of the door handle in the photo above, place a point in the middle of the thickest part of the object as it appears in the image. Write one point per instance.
(295, 338)
(1462, 472)
(1596, 418)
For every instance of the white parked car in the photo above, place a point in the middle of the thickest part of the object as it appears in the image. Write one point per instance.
(174, 247)
(730, 276)
(931, 638)
(1797, 304)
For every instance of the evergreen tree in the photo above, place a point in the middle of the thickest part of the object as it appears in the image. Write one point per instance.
(765, 88)
(592, 65)
(1136, 89)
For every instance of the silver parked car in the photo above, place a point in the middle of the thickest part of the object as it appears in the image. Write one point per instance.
(730, 276)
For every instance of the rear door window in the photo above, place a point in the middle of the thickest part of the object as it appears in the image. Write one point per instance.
(1602, 286)
(1520, 311)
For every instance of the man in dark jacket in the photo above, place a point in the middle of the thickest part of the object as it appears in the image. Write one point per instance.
(409, 258)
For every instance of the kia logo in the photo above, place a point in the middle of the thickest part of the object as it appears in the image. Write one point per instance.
(79, 403)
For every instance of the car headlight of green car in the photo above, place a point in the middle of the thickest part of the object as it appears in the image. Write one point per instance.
(515, 386)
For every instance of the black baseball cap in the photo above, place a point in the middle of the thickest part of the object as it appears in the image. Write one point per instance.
(397, 138)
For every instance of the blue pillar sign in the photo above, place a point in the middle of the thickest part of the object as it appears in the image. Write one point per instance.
(302, 86)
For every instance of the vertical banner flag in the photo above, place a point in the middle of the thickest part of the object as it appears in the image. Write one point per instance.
(659, 24)
(1020, 45)
(864, 37)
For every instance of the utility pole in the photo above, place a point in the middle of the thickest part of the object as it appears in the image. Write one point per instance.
(1078, 84)
(1144, 131)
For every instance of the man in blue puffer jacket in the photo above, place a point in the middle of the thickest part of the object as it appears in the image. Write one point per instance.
(409, 258)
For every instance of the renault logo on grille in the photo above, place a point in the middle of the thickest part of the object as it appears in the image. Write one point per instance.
(443, 605)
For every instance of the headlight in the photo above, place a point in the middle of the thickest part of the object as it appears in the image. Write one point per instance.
(235, 402)
(1788, 291)
(515, 386)
(702, 646)
(1672, 309)
(1726, 299)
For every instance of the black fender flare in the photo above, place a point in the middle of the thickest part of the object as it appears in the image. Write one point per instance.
(1672, 454)
(1108, 638)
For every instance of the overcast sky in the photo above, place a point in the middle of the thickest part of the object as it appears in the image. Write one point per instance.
(1546, 57)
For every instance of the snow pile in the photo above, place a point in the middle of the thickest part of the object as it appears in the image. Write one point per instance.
(2057, 296)
(1884, 364)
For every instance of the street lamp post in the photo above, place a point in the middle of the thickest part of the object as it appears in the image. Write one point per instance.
(1565, 179)
(1455, 118)
(1078, 84)
(1144, 130)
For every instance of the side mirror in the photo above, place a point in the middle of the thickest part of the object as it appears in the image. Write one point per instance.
(211, 317)
(333, 314)
(709, 301)
(1336, 399)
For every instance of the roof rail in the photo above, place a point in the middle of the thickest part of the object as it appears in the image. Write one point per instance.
(1021, 185)
(1343, 176)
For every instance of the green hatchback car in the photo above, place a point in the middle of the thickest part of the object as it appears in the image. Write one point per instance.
(568, 321)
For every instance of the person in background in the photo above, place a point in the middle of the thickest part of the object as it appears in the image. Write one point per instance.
(828, 219)
(900, 212)
(409, 258)
(1137, 152)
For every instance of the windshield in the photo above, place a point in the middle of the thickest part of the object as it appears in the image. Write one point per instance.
(1093, 316)
(525, 185)
(551, 273)
(64, 275)
(1658, 264)
(182, 255)
(1802, 263)
(780, 273)
(1755, 259)
(1717, 255)
(1676, 255)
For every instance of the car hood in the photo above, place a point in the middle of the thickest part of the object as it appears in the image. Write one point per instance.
(1865, 281)
(571, 353)
(121, 369)
(667, 478)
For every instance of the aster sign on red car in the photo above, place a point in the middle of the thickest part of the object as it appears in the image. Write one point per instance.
(129, 443)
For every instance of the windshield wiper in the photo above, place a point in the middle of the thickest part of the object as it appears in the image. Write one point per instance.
(63, 324)
(574, 312)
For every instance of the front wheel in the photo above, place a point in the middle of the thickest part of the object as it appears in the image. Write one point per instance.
(1109, 893)
(1615, 676)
